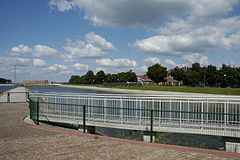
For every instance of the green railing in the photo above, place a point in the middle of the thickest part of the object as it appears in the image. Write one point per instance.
(150, 117)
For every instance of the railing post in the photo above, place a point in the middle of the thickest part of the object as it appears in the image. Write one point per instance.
(29, 106)
(84, 119)
(38, 111)
(8, 97)
(151, 127)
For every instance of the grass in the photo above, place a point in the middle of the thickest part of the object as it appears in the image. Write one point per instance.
(207, 90)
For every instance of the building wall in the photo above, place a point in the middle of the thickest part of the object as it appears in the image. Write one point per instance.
(35, 82)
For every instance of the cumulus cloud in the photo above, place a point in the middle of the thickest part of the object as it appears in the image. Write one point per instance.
(98, 41)
(121, 62)
(196, 58)
(37, 50)
(181, 36)
(21, 49)
(11, 61)
(42, 50)
(39, 62)
(61, 5)
(196, 41)
(120, 13)
(101, 69)
(81, 67)
(56, 69)
(170, 62)
(93, 46)
(152, 60)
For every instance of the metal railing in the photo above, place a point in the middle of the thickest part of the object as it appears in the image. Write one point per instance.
(218, 116)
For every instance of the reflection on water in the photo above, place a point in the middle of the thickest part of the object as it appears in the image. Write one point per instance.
(52, 89)
(61, 89)
(6, 88)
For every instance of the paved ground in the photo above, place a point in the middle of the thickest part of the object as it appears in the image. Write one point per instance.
(23, 141)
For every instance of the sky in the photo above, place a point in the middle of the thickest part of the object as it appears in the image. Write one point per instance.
(54, 39)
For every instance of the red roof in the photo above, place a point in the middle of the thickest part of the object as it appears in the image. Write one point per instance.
(171, 80)
(144, 78)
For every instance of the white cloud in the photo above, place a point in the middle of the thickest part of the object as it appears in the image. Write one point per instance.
(184, 37)
(61, 5)
(197, 41)
(110, 13)
(57, 68)
(170, 62)
(37, 50)
(152, 60)
(21, 49)
(101, 69)
(121, 62)
(196, 58)
(93, 46)
(81, 67)
(39, 62)
(140, 70)
(11, 61)
(42, 50)
(99, 42)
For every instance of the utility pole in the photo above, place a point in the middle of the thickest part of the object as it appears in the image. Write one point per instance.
(15, 73)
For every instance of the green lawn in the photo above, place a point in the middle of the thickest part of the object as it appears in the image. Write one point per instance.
(226, 91)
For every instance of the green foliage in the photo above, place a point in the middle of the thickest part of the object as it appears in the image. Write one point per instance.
(157, 73)
(89, 77)
(5, 81)
(197, 76)
(100, 77)
(209, 76)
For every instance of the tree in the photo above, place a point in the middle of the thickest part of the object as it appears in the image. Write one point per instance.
(5, 81)
(131, 76)
(179, 74)
(157, 73)
(89, 77)
(74, 79)
(211, 75)
(100, 77)
(228, 76)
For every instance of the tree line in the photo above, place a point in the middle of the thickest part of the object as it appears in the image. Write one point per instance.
(101, 77)
(5, 81)
(211, 76)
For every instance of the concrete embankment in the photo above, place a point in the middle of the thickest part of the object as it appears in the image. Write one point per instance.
(143, 92)
(17, 94)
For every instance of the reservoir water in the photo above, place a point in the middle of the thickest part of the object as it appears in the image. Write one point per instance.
(52, 89)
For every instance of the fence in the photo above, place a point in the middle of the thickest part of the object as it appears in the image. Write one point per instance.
(210, 116)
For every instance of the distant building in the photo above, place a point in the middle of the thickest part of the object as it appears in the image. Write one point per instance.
(170, 81)
(35, 82)
(144, 80)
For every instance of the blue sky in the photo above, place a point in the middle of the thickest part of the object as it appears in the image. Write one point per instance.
(54, 39)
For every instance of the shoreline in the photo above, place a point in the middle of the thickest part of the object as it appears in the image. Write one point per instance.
(144, 92)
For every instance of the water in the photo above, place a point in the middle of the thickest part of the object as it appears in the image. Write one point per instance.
(61, 89)
(6, 88)
(52, 89)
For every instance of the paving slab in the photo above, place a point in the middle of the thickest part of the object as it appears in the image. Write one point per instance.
(19, 140)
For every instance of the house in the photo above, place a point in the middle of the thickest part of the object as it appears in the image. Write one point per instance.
(170, 81)
(144, 80)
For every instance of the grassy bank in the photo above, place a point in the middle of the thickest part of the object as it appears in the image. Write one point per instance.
(207, 90)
